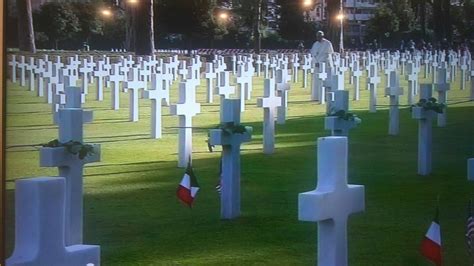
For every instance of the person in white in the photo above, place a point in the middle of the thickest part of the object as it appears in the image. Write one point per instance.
(322, 50)
(322, 53)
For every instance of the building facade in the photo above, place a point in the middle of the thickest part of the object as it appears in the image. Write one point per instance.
(356, 15)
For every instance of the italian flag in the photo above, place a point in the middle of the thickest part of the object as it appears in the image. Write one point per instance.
(431, 244)
(188, 187)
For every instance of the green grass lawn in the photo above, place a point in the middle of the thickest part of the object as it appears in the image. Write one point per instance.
(132, 212)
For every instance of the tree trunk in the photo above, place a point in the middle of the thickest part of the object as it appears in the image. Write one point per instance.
(447, 19)
(26, 35)
(423, 18)
(256, 30)
(145, 41)
(438, 23)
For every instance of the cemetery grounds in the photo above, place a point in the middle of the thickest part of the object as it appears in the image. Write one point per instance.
(131, 210)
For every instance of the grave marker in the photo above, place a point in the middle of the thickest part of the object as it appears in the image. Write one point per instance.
(282, 88)
(13, 64)
(70, 120)
(158, 96)
(331, 203)
(269, 103)
(39, 226)
(339, 126)
(230, 183)
(394, 91)
(186, 108)
(134, 85)
(425, 134)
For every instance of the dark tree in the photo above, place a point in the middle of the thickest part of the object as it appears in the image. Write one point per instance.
(90, 23)
(58, 22)
(292, 24)
(194, 19)
(251, 16)
(26, 35)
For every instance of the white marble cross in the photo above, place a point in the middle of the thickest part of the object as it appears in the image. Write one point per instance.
(57, 66)
(282, 88)
(306, 66)
(223, 87)
(442, 87)
(85, 71)
(210, 75)
(373, 81)
(40, 226)
(70, 76)
(134, 84)
(39, 71)
(182, 71)
(100, 75)
(167, 77)
(158, 96)
(266, 65)
(115, 78)
(13, 63)
(434, 67)
(295, 65)
(30, 67)
(394, 91)
(356, 74)
(337, 125)
(332, 202)
(259, 62)
(243, 85)
(269, 103)
(412, 78)
(230, 182)
(22, 65)
(193, 75)
(186, 108)
(472, 81)
(318, 89)
(71, 119)
(48, 76)
(337, 80)
(425, 134)
(464, 68)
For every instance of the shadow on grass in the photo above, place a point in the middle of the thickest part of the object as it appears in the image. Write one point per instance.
(131, 209)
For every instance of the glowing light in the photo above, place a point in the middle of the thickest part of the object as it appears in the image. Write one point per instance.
(223, 15)
(307, 3)
(340, 17)
(132, 1)
(106, 13)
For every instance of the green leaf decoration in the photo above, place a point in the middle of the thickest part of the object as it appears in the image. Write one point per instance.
(342, 115)
(230, 128)
(73, 147)
(430, 104)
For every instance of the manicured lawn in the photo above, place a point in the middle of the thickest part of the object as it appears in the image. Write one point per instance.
(132, 212)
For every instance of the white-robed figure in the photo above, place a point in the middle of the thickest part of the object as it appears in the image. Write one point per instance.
(321, 52)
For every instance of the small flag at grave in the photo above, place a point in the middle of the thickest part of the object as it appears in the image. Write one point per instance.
(188, 187)
(470, 230)
(431, 244)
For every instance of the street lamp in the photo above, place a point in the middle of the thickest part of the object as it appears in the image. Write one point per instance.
(106, 12)
(223, 16)
(307, 3)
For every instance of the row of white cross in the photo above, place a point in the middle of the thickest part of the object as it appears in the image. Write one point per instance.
(332, 189)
